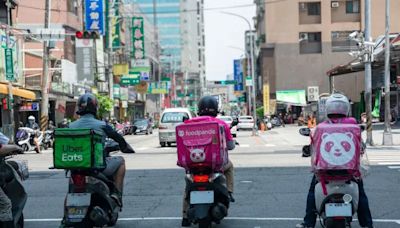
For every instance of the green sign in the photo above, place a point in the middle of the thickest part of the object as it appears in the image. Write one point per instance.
(165, 79)
(226, 82)
(242, 99)
(295, 97)
(138, 38)
(115, 28)
(9, 64)
(117, 91)
(131, 79)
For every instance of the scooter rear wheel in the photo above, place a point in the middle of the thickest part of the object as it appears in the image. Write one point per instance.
(205, 224)
(20, 223)
(332, 223)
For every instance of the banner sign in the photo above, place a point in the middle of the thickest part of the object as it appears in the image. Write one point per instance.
(158, 88)
(94, 16)
(238, 74)
(84, 60)
(138, 37)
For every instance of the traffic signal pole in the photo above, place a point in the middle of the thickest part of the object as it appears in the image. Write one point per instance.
(10, 86)
(44, 116)
(110, 54)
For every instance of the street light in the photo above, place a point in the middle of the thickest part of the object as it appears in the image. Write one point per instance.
(251, 34)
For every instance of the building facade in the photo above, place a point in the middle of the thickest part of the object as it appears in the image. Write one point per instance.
(295, 51)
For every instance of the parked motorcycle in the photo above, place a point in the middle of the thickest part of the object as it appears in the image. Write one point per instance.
(268, 123)
(25, 139)
(276, 122)
(48, 139)
(336, 193)
(88, 202)
(12, 173)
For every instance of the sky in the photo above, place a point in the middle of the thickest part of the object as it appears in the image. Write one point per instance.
(222, 32)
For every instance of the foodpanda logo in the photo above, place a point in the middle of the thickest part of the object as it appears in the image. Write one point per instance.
(181, 133)
(337, 148)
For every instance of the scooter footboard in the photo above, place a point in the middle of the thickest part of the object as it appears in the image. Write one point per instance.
(336, 190)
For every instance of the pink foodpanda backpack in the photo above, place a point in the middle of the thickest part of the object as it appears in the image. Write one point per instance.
(337, 145)
(201, 142)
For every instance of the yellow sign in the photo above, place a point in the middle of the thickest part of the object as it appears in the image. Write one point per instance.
(141, 87)
(272, 104)
(266, 99)
(120, 69)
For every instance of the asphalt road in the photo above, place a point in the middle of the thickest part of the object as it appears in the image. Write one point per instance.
(271, 185)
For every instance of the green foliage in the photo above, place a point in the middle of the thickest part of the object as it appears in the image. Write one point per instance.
(105, 105)
(260, 112)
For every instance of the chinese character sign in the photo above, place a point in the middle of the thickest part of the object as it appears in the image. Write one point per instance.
(138, 38)
(94, 16)
(238, 75)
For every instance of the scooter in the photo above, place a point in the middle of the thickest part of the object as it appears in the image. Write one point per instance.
(25, 138)
(336, 200)
(88, 202)
(48, 139)
(12, 173)
(207, 195)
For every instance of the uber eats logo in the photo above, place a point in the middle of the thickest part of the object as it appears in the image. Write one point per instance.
(72, 153)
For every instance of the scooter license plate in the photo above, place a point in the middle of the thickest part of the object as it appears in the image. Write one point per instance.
(75, 213)
(338, 210)
(78, 199)
(201, 197)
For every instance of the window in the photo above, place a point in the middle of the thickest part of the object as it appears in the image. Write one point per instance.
(314, 8)
(353, 6)
(174, 117)
(341, 41)
(310, 42)
(72, 6)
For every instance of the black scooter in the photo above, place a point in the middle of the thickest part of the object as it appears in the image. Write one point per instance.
(88, 202)
(12, 173)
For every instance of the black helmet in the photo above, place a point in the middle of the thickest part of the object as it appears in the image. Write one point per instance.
(87, 104)
(208, 106)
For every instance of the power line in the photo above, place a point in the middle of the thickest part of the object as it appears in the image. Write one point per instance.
(174, 12)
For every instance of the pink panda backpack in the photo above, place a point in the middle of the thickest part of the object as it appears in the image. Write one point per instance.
(201, 142)
(336, 149)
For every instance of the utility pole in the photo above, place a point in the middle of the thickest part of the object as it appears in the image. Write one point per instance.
(253, 78)
(387, 133)
(368, 72)
(10, 87)
(44, 117)
(110, 55)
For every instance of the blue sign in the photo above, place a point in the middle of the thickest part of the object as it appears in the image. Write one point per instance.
(94, 16)
(238, 74)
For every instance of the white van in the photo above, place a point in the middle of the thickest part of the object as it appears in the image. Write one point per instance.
(170, 118)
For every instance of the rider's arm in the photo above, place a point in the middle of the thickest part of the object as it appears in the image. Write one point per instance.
(230, 142)
(111, 133)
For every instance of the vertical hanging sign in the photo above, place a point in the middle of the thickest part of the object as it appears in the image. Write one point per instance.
(138, 38)
(94, 17)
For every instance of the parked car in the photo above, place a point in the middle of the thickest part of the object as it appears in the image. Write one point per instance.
(245, 122)
(229, 120)
(142, 126)
(170, 118)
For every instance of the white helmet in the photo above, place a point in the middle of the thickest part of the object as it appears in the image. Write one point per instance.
(31, 118)
(337, 104)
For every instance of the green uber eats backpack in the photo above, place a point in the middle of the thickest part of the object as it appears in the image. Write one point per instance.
(78, 149)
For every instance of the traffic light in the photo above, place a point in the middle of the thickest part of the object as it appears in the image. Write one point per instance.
(87, 35)
(5, 103)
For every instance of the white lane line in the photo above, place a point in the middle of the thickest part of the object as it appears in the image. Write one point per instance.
(394, 167)
(388, 163)
(270, 145)
(142, 148)
(229, 218)
(244, 145)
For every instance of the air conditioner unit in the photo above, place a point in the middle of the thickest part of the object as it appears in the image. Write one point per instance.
(303, 36)
(312, 93)
(335, 4)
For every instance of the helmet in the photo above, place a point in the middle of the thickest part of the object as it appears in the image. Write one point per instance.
(31, 118)
(87, 104)
(337, 105)
(208, 106)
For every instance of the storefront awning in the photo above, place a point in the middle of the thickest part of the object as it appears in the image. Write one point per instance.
(293, 97)
(18, 92)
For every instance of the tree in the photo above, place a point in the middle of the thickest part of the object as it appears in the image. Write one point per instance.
(260, 112)
(105, 105)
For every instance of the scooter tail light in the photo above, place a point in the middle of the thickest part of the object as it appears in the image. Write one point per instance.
(200, 178)
(79, 182)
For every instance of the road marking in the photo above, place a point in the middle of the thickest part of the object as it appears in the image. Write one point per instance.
(394, 167)
(142, 148)
(228, 218)
(388, 163)
(270, 145)
(246, 182)
(244, 145)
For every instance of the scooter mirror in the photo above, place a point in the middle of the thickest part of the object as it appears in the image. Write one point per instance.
(305, 131)
(234, 122)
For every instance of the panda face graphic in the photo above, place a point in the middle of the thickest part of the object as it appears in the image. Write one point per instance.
(337, 148)
(197, 155)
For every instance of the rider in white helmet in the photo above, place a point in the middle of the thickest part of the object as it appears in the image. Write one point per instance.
(337, 110)
(33, 125)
